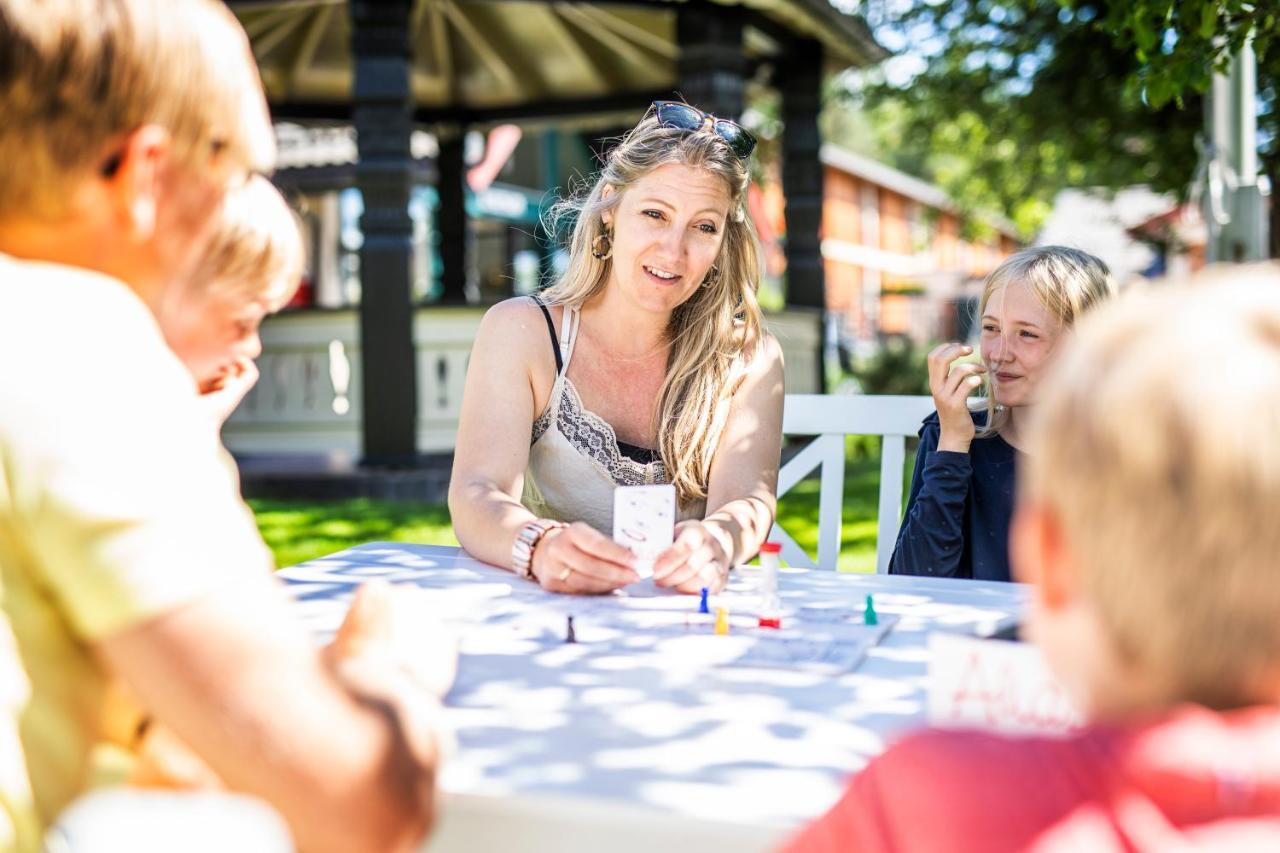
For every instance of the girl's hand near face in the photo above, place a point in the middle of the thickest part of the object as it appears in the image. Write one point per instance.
(951, 387)
(222, 395)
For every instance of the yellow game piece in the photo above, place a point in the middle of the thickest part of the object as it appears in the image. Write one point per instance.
(722, 621)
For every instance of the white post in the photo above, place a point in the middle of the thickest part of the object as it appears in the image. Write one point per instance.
(830, 501)
(1233, 202)
(328, 276)
(892, 458)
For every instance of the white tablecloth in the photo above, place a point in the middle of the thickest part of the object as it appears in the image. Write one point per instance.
(588, 746)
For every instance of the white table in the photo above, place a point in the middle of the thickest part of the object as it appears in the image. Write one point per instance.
(579, 747)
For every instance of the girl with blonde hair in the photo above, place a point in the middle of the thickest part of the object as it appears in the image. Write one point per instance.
(957, 518)
(646, 362)
(253, 264)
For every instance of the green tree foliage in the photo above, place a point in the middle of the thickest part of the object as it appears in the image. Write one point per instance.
(899, 366)
(1014, 100)
(1179, 44)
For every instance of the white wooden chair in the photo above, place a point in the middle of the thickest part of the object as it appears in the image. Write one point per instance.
(830, 418)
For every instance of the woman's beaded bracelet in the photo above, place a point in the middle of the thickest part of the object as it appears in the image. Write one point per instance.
(526, 540)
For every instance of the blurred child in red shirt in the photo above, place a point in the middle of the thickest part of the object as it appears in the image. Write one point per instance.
(1147, 526)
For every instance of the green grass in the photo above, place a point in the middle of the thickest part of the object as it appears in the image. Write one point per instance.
(299, 530)
(798, 515)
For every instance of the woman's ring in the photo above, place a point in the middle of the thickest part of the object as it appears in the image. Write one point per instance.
(564, 576)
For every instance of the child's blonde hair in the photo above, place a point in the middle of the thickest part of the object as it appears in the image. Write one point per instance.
(1066, 281)
(1155, 445)
(256, 250)
(77, 74)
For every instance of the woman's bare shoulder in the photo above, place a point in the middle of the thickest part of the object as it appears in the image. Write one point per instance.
(759, 362)
(768, 350)
(762, 354)
(514, 323)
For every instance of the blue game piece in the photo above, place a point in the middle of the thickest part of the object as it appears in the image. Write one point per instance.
(702, 608)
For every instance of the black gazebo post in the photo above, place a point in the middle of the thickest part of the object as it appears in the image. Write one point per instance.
(799, 82)
(711, 64)
(451, 214)
(383, 113)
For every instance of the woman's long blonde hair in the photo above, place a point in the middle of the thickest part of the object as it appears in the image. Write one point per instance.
(1066, 281)
(716, 331)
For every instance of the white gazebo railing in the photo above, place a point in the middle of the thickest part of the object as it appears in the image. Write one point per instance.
(308, 398)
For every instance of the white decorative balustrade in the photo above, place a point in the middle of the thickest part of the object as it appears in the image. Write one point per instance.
(308, 398)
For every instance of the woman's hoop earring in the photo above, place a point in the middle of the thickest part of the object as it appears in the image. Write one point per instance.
(713, 276)
(602, 254)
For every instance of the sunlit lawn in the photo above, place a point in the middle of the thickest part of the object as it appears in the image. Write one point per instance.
(798, 515)
(299, 530)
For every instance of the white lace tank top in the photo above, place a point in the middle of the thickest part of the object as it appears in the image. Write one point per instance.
(574, 459)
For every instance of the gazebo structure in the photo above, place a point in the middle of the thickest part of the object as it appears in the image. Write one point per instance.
(389, 66)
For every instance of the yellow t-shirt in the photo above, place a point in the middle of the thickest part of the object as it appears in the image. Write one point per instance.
(116, 506)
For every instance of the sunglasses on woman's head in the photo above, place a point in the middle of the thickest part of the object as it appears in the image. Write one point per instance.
(684, 117)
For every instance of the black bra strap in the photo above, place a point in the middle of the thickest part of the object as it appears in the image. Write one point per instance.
(551, 328)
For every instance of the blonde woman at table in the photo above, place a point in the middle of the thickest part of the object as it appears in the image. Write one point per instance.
(646, 362)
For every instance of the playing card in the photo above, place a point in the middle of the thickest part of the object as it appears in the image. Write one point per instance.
(644, 520)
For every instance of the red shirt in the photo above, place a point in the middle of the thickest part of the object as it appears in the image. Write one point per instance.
(1191, 780)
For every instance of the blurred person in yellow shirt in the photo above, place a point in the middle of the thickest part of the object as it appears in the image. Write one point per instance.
(127, 558)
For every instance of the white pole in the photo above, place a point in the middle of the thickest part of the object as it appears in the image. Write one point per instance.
(1234, 206)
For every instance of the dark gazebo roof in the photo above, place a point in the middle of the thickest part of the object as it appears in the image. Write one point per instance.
(478, 59)
(386, 65)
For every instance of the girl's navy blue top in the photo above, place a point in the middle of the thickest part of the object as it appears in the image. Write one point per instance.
(957, 519)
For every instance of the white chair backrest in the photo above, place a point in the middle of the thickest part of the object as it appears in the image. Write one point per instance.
(830, 418)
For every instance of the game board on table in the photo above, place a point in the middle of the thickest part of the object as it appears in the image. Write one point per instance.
(646, 621)
(494, 612)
